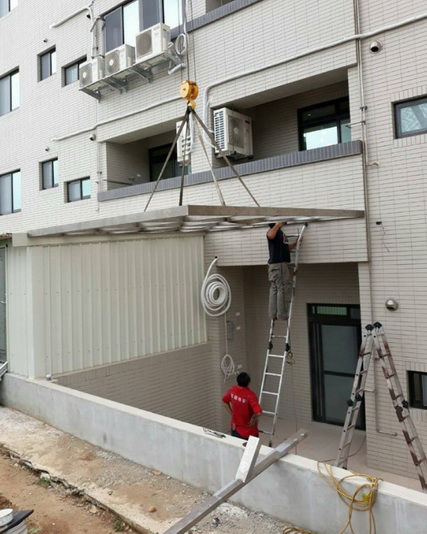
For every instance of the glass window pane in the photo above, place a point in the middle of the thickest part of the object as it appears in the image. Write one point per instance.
(47, 174)
(15, 90)
(44, 66)
(71, 74)
(340, 348)
(150, 13)
(53, 62)
(86, 187)
(345, 131)
(113, 30)
(74, 191)
(4, 7)
(338, 391)
(16, 191)
(5, 194)
(322, 135)
(172, 12)
(55, 172)
(4, 95)
(413, 118)
(130, 22)
(424, 384)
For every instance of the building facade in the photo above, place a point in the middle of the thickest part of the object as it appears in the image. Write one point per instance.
(336, 95)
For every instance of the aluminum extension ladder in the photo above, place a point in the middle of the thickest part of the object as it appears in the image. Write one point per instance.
(374, 338)
(274, 367)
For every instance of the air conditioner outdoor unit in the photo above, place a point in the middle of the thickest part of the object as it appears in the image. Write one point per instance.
(233, 133)
(91, 72)
(119, 59)
(151, 44)
(184, 144)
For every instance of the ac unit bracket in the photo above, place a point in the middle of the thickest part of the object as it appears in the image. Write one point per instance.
(120, 84)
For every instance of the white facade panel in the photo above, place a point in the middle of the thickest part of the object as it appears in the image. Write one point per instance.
(99, 303)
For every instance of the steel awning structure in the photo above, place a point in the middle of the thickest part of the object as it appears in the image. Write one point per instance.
(195, 218)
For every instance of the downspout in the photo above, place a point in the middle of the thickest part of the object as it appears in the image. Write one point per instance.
(365, 167)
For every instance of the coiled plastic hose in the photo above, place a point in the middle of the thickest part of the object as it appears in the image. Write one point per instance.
(215, 293)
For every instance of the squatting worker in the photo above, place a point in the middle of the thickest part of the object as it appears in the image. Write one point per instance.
(279, 273)
(242, 404)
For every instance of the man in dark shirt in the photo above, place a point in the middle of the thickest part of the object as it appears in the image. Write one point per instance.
(279, 273)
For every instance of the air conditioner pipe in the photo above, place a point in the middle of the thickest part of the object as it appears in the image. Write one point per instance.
(81, 10)
(358, 36)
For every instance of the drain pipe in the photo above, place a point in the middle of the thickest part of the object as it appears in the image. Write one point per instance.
(365, 167)
(357, 36)
(81, 10)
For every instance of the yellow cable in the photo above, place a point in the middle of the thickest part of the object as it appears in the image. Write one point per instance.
(362, 500)
(296, 530)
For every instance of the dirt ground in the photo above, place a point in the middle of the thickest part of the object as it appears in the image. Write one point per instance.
(56, 511)
(42, 468)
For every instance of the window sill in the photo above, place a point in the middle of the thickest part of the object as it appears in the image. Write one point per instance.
(293, 159)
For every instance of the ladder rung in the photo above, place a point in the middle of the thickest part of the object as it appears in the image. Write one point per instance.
(268, 413)
(273, 374)
(275, 356)
(277, 335)
(268, 393)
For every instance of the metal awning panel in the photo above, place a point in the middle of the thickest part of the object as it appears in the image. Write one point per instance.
(195, 218)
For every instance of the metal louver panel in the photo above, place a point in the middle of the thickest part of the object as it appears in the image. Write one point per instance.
(236, 132)
(219, 126)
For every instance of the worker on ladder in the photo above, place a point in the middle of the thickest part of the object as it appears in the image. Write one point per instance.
(279, 274)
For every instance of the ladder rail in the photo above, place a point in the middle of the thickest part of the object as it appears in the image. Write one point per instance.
(400, 404)
(287, 351)
(356, 398)
(375, 339)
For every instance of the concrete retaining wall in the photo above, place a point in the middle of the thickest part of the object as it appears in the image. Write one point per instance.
(291, 489)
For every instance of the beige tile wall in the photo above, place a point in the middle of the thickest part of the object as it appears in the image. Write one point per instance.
(175, 384)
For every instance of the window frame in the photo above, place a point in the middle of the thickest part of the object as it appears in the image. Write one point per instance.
(49, 53)
(65, 68)
(80, 181)
(149, 14)
(42, 175)
(10, 7)
(337, 116)
(12, 195)
(11, 96)
(416, 401)
(397, 107)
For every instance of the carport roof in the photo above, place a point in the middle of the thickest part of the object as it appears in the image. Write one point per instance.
(195, 218)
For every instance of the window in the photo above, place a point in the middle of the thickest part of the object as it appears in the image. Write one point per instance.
(324, 124)
(417, 389)
(71, 72)
(9, 93)
(157, 156)
(78, 189)
(6, 6)
(49, 173)
(47, 64)
(124, 22)
(411, 117)
(10, 193)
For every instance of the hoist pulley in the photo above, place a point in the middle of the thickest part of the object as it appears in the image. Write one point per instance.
(189, 90)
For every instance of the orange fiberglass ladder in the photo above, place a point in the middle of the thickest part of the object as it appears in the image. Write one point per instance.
(374, 339)
(274, 367)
